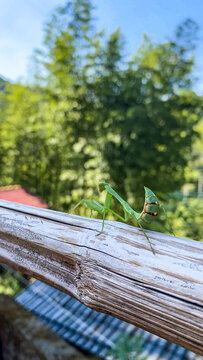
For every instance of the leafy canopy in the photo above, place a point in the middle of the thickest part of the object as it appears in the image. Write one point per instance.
(88, 115)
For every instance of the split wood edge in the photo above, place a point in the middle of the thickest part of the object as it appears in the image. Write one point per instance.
(115, 272)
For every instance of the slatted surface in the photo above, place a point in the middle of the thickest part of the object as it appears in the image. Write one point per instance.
(89, 330)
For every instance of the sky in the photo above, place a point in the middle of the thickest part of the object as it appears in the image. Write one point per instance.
(22, 24)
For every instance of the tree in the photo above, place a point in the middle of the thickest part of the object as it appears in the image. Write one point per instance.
(49, 145)
(88, 115)
(151, 120)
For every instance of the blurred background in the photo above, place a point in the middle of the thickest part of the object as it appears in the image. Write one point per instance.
(102, 91)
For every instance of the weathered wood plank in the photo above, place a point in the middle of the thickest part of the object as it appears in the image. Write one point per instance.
(115, 273)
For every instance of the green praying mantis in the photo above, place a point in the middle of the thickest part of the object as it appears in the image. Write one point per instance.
(151, 208)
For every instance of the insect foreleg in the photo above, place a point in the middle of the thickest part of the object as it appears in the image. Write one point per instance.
(169, 224)
(146, 237)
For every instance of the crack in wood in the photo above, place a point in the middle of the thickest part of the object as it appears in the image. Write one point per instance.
(115, 273)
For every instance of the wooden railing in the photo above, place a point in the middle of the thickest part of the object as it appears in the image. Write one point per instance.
(115, 272)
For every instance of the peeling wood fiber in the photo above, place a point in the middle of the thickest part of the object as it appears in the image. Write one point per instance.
(115, 272)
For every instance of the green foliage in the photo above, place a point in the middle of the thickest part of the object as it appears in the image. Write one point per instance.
(128, 348)
(187, 217)
(87, 115)
(8, 283)
(194, 169)
(2, 85)
(149, 120)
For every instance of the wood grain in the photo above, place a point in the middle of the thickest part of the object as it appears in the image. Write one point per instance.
(115, 272)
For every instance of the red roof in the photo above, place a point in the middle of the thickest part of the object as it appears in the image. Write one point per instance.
(16, 194)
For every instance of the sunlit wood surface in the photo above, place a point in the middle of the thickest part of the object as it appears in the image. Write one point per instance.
(115, 272)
